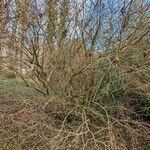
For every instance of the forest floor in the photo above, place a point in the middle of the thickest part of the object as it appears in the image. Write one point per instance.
(23, 123)
(22, 120)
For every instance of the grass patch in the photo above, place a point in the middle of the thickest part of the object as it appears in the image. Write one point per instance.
(16, 85)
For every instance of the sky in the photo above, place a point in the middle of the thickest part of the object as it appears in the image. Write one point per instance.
(89, 12)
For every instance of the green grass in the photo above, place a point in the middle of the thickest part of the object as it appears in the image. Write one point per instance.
(16, 85)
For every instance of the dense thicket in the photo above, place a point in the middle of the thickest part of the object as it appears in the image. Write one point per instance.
(92, 56)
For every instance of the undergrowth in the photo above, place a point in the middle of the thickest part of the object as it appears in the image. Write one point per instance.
(103, 104)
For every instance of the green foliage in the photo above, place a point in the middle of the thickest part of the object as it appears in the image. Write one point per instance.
(113, 86)
(143, 108)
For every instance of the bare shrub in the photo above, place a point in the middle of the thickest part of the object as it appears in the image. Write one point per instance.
(92, 57)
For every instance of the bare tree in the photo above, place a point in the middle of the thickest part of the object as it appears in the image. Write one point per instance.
(61, 43)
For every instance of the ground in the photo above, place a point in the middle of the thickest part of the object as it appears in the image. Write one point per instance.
(22, 119)
(25, 126)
